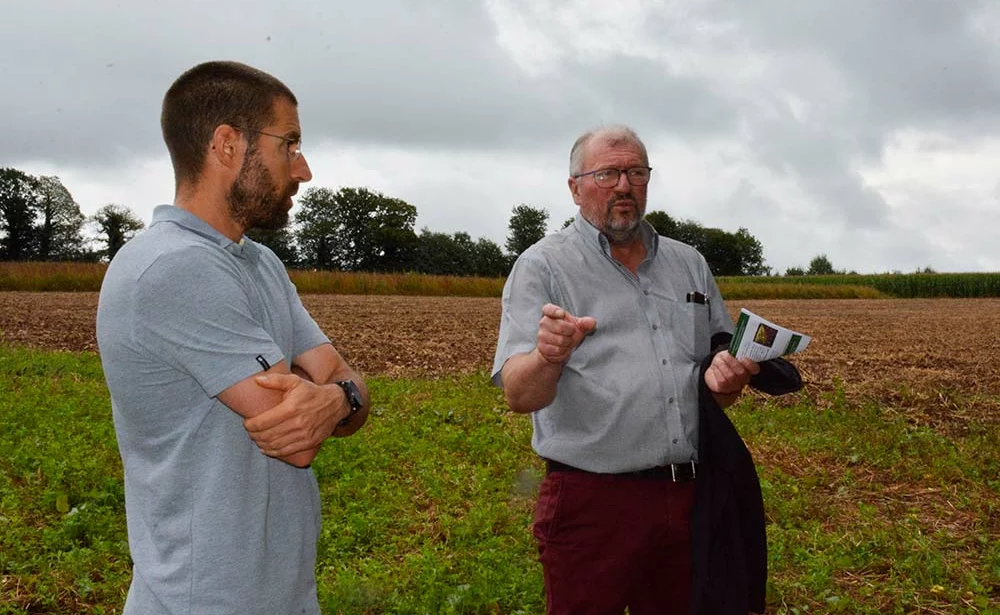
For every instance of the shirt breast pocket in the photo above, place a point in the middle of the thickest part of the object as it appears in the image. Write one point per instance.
(692, 328)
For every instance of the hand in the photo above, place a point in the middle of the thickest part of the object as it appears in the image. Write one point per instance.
(306, 416)
(727, 375)
(559, 333)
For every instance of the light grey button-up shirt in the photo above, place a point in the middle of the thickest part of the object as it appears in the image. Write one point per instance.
(628, 397)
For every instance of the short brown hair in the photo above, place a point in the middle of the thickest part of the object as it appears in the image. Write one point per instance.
(207, 96)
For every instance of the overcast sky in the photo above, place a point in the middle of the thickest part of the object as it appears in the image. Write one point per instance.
(866, 130)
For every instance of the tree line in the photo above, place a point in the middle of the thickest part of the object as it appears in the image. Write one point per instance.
(350, 229)
(39, 220)
(357, 229)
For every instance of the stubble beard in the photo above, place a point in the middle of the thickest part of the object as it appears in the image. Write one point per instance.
(622, 230)
(253, 202)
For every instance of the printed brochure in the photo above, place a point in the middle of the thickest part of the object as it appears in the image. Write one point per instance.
(760, 340)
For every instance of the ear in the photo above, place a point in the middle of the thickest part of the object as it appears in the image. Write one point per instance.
(227, 146)
(574, 189)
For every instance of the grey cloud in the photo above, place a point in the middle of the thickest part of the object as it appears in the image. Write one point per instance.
(646, 95)
(888, 65)
(381, 72)
(904, 61)
(385, 73)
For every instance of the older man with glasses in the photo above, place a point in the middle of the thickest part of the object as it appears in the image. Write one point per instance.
(606, 338)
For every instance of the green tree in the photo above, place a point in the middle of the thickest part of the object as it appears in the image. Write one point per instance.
(489, 260)
(751, 253)
(18, 212)
(721, 251)
(355, 229)
(116, 224)
(691, 233)
(527, 225)
(794, 271)
(442, 254)
(820, 265)
(738, 253)
(394, 236)
(59, 231)
(663, 223)
(465, 254)
(280, 242)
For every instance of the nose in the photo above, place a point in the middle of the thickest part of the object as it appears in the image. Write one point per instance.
(623, 184)
(300, 170)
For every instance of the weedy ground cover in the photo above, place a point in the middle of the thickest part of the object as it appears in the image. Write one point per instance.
(428, 510)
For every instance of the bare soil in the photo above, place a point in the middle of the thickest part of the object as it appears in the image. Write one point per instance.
(919, 355)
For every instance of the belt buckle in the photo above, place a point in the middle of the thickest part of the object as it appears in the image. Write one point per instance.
(673, 471)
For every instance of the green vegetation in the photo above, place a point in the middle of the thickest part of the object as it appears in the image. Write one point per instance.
(428, 510)
(904, 286)
(46, 276)
(776, 288)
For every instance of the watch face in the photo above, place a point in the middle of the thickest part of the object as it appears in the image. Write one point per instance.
(353, 393)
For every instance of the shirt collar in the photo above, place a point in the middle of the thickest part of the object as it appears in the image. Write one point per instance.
(245, 248)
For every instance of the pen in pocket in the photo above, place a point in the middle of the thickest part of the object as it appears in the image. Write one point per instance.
(697, 297)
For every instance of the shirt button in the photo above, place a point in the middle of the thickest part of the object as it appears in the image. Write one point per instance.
(645, 292)
(664, 361)
(654, 327)
(675, 440)
(670, 400)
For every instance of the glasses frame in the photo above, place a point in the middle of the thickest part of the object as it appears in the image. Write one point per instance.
(618, 176)
(296, 155)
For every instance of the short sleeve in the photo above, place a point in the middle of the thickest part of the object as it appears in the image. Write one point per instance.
(194, 313)
(527, 289)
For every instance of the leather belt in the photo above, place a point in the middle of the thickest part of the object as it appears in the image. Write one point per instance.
(676, 472)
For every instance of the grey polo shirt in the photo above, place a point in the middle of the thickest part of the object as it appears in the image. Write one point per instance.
(214, 525)
(628, 397)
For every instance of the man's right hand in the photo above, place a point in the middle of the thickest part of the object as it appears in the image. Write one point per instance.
(559, 333)
(530, 378)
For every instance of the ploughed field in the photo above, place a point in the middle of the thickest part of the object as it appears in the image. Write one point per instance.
(915, 355)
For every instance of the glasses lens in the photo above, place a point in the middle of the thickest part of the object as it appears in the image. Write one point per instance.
(638, 176)
(607, 178)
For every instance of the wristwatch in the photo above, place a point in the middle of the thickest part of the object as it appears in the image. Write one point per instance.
(353, 395)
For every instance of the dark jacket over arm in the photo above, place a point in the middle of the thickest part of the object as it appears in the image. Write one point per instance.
(728, 539)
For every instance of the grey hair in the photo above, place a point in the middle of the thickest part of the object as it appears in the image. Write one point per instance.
(612, 134)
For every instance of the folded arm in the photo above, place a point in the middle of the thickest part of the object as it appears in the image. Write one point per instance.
(290, 411)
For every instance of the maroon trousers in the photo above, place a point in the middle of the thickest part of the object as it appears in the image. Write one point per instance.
(608, 542)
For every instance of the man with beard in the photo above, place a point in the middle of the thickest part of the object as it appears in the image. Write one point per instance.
(222, 386)
(603, 331)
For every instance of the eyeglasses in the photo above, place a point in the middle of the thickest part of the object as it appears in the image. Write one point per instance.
(290, 142)
(608, 178)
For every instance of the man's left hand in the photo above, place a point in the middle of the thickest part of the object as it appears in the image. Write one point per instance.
(727, 375)
(307, 415)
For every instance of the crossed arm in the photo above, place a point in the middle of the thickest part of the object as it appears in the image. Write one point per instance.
(290, 410)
